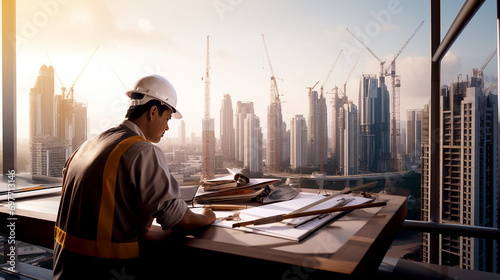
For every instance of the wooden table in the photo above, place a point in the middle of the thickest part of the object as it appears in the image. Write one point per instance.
(351, 247)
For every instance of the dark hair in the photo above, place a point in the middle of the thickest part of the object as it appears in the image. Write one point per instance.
(135, 112)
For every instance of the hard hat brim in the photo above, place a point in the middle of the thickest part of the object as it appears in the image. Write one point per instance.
(147, 98)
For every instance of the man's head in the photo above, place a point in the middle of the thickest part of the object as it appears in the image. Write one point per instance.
(154, 87)
(152, 105)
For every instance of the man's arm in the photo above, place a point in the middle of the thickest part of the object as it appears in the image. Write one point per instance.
(192, 220)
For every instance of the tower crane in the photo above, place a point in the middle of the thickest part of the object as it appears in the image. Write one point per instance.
(395, 117)
(368, 49)
(331, 69)
(349, 76)
(488, 60)
(321, 124)
(70, 92)
(479, 73)
(393, 62)
(274, 85)
(311, 88)
(63, 88)
(274, 120)
(116, 74)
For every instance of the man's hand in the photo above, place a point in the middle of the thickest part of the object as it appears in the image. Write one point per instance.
(207, 212)
(191, 220)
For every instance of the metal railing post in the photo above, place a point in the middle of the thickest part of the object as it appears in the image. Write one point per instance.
(434, 188)
(9, 133)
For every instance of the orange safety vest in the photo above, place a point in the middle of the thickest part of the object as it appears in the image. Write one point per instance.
(103, 246)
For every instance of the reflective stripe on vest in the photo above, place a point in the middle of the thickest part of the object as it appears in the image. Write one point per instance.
(103, 247)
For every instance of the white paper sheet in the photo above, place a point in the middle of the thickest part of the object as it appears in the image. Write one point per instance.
(284, 229)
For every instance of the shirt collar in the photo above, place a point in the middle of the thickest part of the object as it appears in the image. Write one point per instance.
(132, 126)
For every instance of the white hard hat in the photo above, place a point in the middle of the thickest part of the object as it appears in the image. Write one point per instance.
(155, 87)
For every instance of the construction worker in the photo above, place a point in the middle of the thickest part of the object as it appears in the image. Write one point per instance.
(114, 185)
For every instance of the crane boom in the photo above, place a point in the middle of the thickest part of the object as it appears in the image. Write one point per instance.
(331, 68)
(268, 58)
(63, 88)
(350, 73)
(116, 74)
(349, 76)
(315, 85)
(488, 60)
(404, 46)
(274, 91)
(364, 45)
(70, 93)
(367, 48)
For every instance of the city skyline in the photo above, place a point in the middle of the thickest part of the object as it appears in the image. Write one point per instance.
(468, 173)
(303, 40)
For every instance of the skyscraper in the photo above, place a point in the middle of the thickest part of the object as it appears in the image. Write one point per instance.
(275, 131)
(208, 128)
(53, 135)
(252, 139)
(242, 109)
(274, 136)
(182, 133)
(298, 142)
(70, 121)
(48, 155)
(227, 136)
(337, 103)
(374, 114)
(413, 134)
(80, 124)
(317, 133)
(468, 173)
(42, 103)
(348, 134)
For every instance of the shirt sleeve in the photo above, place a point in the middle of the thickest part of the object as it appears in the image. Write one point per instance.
(158, 189)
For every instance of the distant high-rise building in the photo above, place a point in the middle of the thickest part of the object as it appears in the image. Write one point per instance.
(58, 126)
(227, 136)
(182, 133)
(413, 134)
(374, 122)
(298, 142)
(71, 121)
(208, 128)
(80, 124)
(252, 143)
(337, 103)
(348, 128)
(274, 136)
(42, 103)
(208, 148)
(285, 144)
(242, 109)
(402, 139)
(48, 155)
(317, 133)
(468, 173)
(275, 130)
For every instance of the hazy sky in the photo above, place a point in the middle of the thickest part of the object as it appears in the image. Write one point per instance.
(137, 38)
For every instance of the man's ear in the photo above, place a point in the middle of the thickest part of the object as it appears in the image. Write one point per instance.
(153, 111)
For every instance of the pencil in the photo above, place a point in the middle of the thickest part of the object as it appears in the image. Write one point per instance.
(279, 218)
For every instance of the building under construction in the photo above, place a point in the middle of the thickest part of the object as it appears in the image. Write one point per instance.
(274, 124)
(208, 129)
(468, 172)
